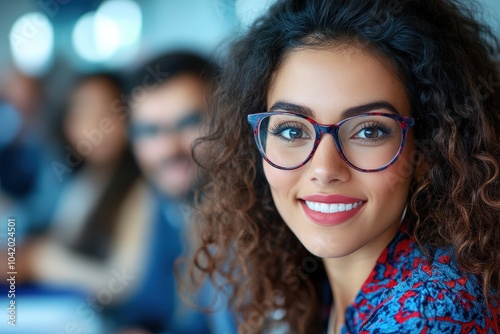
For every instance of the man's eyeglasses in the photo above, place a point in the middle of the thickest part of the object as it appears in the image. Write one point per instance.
(140, 130)
(368, 142)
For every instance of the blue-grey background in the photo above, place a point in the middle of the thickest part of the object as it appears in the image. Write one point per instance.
(167, 24)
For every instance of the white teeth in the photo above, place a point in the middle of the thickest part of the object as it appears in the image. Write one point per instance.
(325, 208)
(332, 208)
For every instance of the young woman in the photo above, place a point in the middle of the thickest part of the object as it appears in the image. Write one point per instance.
(365, 191)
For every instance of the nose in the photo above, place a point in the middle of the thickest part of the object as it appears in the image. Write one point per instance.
(169, 145)
(327, 165)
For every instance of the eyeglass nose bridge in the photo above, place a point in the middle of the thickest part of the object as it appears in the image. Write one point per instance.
(333, 130)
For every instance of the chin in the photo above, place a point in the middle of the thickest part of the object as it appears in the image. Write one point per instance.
(175, 191)
(326, 246)
(324, 253)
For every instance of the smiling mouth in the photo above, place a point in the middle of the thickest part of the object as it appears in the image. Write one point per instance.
(332, 207)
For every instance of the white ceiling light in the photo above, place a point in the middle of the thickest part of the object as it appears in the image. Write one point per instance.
(32, 43)
(110, 34)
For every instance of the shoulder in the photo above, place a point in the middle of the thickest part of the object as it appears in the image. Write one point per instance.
(436, 297)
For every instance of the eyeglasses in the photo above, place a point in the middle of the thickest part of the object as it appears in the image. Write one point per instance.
(368, 142)
(140, 130)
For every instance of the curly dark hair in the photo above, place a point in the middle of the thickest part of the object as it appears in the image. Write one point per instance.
(448, 62)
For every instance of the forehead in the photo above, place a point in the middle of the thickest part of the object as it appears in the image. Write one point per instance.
(171, 100)
(332, 79)
(95, 88)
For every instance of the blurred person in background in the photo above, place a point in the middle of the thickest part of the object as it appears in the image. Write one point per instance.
(28, 187)
(19, 145)
(97, 233)
(167, 109)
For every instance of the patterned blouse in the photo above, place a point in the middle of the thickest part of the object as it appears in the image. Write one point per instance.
(406, 294)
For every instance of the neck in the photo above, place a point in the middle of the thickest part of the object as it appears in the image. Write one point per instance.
(346, 278)
(347, 274)
(101, 171)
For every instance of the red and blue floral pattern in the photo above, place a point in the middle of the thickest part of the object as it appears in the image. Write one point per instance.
(406, 294)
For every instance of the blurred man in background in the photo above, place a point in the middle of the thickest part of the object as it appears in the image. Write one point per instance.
(167, 105)
(167, 109)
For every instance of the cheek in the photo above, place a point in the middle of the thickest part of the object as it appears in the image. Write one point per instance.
(186, 143)
(284, 185)
(388, 189)
(387, 186)
(116, 139)
(279, 180)
(72, 130)
(191, 135)
(145, 154)
(396, 180)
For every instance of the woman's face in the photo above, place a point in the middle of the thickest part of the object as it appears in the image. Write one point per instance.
(329, 81)
(93, 130)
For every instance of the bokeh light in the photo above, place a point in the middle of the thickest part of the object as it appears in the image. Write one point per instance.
(32, 43)
(119, 23)
(84, 40)
(111, 34)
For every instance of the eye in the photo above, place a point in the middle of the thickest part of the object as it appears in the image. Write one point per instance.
(190, 121)
(144, 130)
(371, 133)
(290, 132)
(293, 133)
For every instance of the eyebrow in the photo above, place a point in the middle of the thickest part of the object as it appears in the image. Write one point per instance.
(353, 111)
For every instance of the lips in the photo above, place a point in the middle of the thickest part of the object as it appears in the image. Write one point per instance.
(329, 210)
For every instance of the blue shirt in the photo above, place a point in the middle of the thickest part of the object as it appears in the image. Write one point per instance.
(405, 293)
(156, 306)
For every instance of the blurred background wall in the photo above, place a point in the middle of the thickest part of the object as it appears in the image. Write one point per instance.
(43, 36)
(60, 39)
(78, 35)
